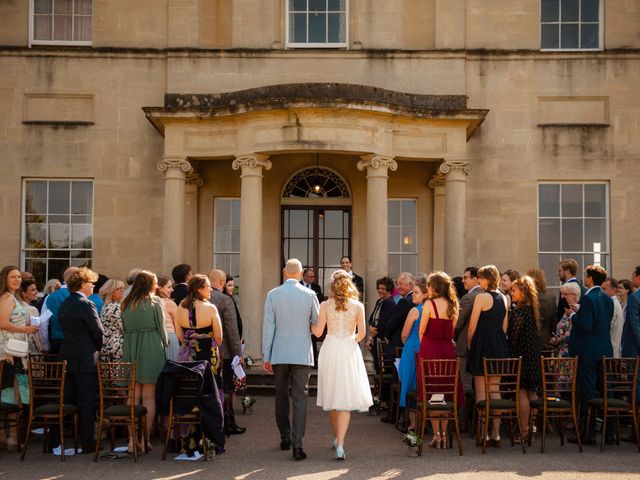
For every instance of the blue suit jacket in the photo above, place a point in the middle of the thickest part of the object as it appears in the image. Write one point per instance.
(631, 330)
(590, 337)
(289, 312)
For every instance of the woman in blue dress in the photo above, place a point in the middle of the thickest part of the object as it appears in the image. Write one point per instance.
(411, 339)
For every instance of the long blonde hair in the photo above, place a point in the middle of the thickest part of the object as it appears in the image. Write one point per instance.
(443, 287)
(342, 289)
(529, 291)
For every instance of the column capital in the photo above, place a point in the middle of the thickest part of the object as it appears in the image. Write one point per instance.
(194, 178)
(449, 166)
(437, 181)
(174, 163)
(251, 160)
(382, 162)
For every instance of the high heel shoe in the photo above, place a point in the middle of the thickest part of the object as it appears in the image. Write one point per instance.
(335, 444)
(436, 441)
(445, 444)
(340, 453)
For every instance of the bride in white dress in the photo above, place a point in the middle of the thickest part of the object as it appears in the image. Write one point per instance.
(343, 384)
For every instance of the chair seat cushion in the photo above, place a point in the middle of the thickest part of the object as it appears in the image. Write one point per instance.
(54, 408)
(438, 406)
(8, 408)
(537, 403)
(124, 410)
(611, 402)
(497, 404)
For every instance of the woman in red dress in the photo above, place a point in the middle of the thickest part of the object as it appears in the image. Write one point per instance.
(440, 314)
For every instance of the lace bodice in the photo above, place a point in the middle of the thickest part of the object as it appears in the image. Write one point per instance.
(341, 323)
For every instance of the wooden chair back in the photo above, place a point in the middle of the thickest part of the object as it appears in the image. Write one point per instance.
(117, 384)
(559, 376)
(439, 376)
(46, 383)
(620, 375)
(508, 371)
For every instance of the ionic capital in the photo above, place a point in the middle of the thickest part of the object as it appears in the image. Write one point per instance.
(251, 160)
(171, 163)
(454, 166)
(374, 161)
(437, 181)
(194, 178)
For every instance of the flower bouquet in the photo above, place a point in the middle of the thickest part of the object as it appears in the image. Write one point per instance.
(248, 363)
(247, 403)
(411, 439)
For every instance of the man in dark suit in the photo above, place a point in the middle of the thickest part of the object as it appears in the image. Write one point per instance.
(631, 331)
(231, 346)
(308, 280)
(567, 271)
(81, 343)
(590, 340)
(181, 275)
(470, 281)
(393, 326)
(345, 264)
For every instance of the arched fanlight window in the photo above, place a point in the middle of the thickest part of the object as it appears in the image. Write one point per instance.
(316, 182)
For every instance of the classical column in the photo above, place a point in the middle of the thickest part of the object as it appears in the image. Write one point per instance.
(377, 167)
(437, 184)
(455, 172)
(174, 169)
(193, 182)
(251, 294)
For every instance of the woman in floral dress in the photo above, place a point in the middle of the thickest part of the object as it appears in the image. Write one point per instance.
(112, 292)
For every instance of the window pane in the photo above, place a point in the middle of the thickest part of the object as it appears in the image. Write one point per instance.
(409, 213)
(58, 235)
(235, 239)
(569, 35)
(317, 28)
(394, 265)
(394, 212)
(42, 27)
(336, 5)
(63, 6)
(550, 36)
(569, 10)
(223, 212)
(571, 200)
(549, 200)
(332, 224)
(299, 249)
(81, 197)
(595, 200)
(549, 10)
(590, 10)
(299, 224)
(332, 250)
(595, 232)
(298, 5)
(81, 236)
(59, 197)
(223, 239)
(36, 235)
(317, 5)
(235, 211)
(42, 6)
(549, 235)
(57, 267)
(36, 197)
(333, 33)
(299, 33)
(394, 235)
(548, 263)
(589, 36)
(62, 25)
(572, 235)
(83, 7)
(82, 28)
(409, 263)
(408, 239)
(38, 268)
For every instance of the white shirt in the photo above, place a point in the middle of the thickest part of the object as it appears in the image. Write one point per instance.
(617, 323)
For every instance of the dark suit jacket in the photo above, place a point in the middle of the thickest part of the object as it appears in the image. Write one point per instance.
(631, 332)
(82, 332)
(462, 326)
(393, 326)
(562, 303)
(231, 345)
(386, 310)
(316, 288)
(590, 337)
(179, 293)
(358, 281)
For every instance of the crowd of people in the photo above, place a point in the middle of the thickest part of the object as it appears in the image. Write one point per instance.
(488, 314)
(151, 319)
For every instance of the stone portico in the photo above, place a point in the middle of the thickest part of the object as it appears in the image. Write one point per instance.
(258, 130)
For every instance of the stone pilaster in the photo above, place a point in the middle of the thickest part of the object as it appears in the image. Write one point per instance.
(437, 184)
(193, 182)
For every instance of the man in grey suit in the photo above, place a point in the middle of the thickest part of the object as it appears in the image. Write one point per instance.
(289, 312)
(470, 281)
(231, 346)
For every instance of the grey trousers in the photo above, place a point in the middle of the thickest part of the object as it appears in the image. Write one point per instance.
(296, 377)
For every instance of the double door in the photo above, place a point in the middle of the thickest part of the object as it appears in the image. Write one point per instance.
(318, 236)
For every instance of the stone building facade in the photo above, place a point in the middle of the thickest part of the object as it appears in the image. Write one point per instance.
(409, 134)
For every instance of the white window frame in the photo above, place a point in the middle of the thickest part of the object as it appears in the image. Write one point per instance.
(600, 31)
(289, 44)
(23, 223)
(33, 41)
(215, 250)
(417, 250)
(568, 254)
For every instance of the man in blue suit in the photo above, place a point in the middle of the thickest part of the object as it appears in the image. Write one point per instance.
(590, 339)
(289, 312)
(631, 331)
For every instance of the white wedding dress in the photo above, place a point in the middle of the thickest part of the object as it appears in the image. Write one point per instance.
(343, 383)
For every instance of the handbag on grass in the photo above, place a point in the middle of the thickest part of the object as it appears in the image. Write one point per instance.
(17, 348)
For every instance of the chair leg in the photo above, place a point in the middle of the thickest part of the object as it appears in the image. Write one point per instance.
(543, 439)
(634, 422)
(27, 437)
(574, 415)
(604, 430)
(422, 424)
(456, 425)
(75, 432)
(166, 440)
(485, 430)
(205, 448)
(61, 426)
(98, 439)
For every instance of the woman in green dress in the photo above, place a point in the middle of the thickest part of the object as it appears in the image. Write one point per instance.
(145, 338)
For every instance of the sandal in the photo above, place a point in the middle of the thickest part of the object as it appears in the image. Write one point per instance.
(436, 441)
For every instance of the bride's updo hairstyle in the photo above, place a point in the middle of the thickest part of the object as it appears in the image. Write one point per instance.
(342, 289)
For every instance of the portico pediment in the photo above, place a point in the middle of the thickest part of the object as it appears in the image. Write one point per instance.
(316, 117)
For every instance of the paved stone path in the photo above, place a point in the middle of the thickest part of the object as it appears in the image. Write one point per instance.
(375, 452)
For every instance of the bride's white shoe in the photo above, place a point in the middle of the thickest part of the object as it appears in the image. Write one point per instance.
(340, 453)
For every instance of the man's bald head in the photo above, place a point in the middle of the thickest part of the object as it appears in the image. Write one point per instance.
(217, 278)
